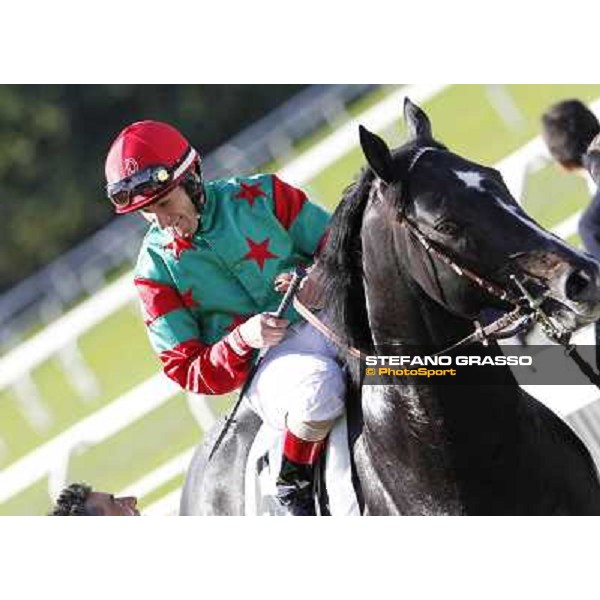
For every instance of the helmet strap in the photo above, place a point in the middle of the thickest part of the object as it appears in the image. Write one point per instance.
(192, 184)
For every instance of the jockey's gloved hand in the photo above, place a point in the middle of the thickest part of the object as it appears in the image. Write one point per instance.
(282, 282)
(263, 330)
(310, 292)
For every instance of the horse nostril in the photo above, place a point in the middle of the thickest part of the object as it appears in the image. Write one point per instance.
(577, 283)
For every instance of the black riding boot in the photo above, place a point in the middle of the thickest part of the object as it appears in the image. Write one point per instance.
(296, 479)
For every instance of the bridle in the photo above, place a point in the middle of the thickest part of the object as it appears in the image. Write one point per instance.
(526, 308)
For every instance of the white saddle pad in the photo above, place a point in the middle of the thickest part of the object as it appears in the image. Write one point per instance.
(264, 461)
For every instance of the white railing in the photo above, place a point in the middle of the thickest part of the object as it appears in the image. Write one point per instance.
(163, 474)
(165, 507)
(52, 458)
(103, 423)
(25, 357)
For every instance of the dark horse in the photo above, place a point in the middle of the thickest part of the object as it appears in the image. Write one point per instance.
(402, 239)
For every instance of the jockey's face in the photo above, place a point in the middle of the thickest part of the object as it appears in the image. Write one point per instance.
(106, 505)
(175, 211)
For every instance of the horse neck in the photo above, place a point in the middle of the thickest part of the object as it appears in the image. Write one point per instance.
(401, 313)
(416, 424)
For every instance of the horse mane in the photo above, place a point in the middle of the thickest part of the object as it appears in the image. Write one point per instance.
(340, 262)
(341, 266)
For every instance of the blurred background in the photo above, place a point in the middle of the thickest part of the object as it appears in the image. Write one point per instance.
(81, 393)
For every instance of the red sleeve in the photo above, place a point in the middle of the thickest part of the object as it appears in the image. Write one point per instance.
(209, 369)
(322, 243)
(288, 201)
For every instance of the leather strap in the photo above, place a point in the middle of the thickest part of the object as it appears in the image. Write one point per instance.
(309, 316)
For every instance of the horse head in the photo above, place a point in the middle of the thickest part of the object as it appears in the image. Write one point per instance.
(455, 228)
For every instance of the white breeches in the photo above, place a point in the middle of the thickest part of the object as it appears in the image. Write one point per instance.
(298, 380)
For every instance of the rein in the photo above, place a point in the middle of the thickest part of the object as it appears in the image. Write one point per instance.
(309, 316)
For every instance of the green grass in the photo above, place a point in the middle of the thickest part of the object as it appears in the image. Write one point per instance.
(119, 354)
(140, 448)
(552, 195)
(120, 362)
(32, 501)
(170, 486)
(118, 350)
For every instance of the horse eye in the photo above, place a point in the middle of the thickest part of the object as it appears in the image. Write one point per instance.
(448, 228)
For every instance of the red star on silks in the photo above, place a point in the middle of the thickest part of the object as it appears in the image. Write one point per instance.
(188, 299)
(237, 320)
(250, 192)
(259, 252)
(179, 245)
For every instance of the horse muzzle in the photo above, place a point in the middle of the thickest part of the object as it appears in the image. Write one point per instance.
(571, 286)
(580, 291)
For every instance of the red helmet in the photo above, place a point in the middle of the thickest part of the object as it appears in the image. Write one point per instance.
(146, 161)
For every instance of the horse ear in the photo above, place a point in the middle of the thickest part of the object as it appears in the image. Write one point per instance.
(417, 121)
(377, 154)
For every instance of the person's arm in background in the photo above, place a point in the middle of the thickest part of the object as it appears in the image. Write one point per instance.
(589, 227)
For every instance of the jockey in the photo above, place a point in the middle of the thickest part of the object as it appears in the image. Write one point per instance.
(209, 273)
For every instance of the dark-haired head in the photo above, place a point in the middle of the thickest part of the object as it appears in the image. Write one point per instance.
(72, 501)
(80, 500)
(568, 127)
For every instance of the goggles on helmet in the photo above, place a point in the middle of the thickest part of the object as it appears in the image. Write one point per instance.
(148, 181)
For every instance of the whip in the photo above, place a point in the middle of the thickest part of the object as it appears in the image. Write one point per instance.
(297, 277)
